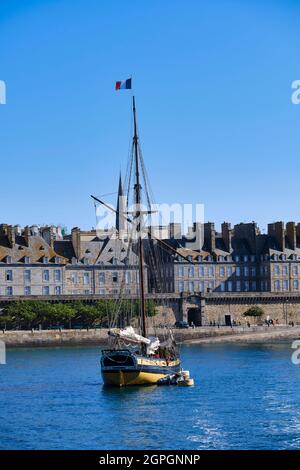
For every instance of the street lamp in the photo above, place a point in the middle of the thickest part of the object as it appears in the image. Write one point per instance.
(286, 311)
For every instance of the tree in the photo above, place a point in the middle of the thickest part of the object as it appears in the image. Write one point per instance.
(254, 312)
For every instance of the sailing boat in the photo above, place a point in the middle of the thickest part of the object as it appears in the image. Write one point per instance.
(136, 358)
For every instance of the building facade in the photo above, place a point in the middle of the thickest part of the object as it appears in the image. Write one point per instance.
(42, 261)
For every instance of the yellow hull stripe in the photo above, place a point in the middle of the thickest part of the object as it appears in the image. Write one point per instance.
(121, 378)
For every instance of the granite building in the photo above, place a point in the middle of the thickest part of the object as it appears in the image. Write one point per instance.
(43, 261)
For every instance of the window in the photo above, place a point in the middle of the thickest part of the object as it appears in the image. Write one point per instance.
(27, 290)
(253, 258)
(8, 260)
(180, 271)
(181, 286)
(74, 278)
(46, 275)
(238, 271)
(261, 270)
(222, 271)
(27, 275)
(101, 279)
(9, 290)
(45, 260)
(222, 286)
(284, 270)
(46, 290)
(87, 292)
(237, 258)
(295, 270)
(57, 275)
(191, 271)
(277, 285)
(127, 277)
(191, 286)
(115, 277)
(285, 285)
(266, 270)
(238, 286)
(229, 286)
(296, 284)
(8, 275)
(253, 271)
(57, 260)
(253, 285)
(26, 260)
(246, 286)
(211, 271)
(229, 271)
(57, 290)
(245, 258)
(201, 271)
(201, 286)
(102, 291)
(86, 278)
(276, 270)
(211, 285)
(246, 271)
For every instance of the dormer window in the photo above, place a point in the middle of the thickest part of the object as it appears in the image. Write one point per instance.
(8, 260)
(26, 260)
(57, 260)
(45, 260)
(86, 261)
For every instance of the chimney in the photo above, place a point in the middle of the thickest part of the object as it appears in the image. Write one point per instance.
(291, 235)
(298, 233)
(227, 236)
(49, 235)
(26, 234)
(249, 232)
(3, 229)
(75, 235)
(210, 236)
(11, 235)
(175, 231)
(277, 231)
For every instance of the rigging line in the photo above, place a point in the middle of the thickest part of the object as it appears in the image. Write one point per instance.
(108, 194)
(165, 244)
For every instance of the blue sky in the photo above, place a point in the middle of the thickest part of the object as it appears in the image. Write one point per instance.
(213, 87)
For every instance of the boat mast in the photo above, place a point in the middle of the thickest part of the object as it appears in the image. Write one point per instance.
(138, 214)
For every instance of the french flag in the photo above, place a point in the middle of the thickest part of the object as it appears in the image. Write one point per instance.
(124, 85)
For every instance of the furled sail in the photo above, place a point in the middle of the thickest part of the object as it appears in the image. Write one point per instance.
(128, 334)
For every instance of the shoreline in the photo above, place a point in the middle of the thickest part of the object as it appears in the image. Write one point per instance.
(200, 335)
